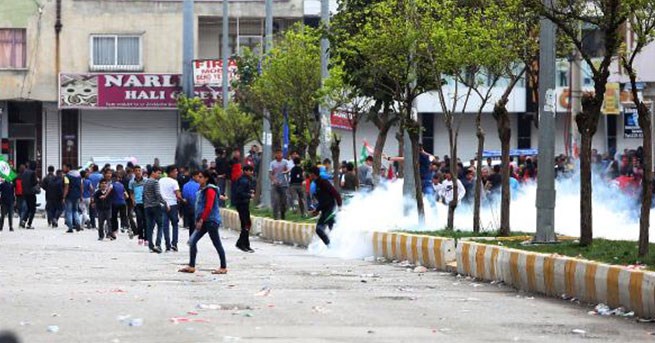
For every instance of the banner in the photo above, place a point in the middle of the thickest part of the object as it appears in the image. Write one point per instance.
(612, 104)
(7, 173)
(210, 72)
(631, 127)
(340, 119)
(127, 91)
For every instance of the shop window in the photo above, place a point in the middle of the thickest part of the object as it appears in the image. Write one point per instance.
(12, 48)
(116, 53)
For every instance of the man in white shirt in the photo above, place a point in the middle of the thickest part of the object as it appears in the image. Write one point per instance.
(446, 191)
(170, 192)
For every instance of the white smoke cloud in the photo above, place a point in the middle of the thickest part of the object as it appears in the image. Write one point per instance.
(615, 216)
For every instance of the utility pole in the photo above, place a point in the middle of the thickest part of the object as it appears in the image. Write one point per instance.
(267, 136)
(326, 129)
(187, 46)
(226, 54)
(547, 109)
(187, 151)
(576, 94)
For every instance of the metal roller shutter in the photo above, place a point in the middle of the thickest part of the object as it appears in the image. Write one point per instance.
(142, 134)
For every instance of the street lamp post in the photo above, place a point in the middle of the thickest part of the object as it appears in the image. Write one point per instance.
(546, 180)
(267, 136)
(326, 129)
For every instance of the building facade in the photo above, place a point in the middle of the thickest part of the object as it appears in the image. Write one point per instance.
(60, 101)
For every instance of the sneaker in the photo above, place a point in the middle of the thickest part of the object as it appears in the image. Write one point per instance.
(69, 231)
(156, 250)
(244, 249)
(21, 225)
(100, 238)
(250, 250)
(174, 248)
(130, 234)
(29, 227)
(11, 229)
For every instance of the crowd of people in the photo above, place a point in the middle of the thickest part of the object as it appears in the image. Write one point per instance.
(137, 200)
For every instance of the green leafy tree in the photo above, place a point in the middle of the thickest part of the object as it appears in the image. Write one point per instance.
(223, 128)
(388, 40)
(360, 74)
(291, 80)
(642, 25)
(609, 17)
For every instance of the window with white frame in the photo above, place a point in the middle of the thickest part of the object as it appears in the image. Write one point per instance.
(116, 53)
(12, 48)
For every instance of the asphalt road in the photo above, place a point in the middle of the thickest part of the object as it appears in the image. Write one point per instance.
(90, 291)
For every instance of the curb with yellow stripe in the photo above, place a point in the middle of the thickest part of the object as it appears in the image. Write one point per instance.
(275, 230)
(428, 251)
(555, 275)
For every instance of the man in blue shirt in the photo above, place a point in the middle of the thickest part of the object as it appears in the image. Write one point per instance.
(95, 178)
(189, 192)
(136, 196)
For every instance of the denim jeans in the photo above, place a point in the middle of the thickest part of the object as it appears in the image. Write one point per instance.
(72, 213)
(140, 213)
(7, 210)
(153, 215)
(212, 229)
(171, 216)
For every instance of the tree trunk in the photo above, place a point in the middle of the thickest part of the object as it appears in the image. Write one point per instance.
(505, 134)
(377, 152)
(311, 150)
(647, 181)
(418, 189)
(355, 149)
(336, 151)
(478, 174)
(401, 149)
(452, 205)
(587, 122)
(586, 227)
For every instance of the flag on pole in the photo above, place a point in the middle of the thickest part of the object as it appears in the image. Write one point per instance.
(6, 172)
(365, 152)
(285, 144)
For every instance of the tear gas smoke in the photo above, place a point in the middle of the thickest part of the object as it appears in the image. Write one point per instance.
(615, 215)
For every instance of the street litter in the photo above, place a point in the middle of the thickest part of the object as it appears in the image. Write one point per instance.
(177, 320)
(320, 309)
(122, 318)
(208, 307)
(420, 269)
(118, 290)
(25, 323)
(264, 292)
(136, 322)
(53, 328)
(604, 310)
(578, 331)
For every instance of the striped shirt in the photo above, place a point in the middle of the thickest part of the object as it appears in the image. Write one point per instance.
(151, 194)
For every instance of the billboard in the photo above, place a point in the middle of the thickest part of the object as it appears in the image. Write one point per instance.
(210, 72)
(127, 91)
(341, 119)
(631, 127)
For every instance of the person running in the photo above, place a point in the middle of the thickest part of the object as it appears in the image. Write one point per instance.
(328, 198)
(31, 188)
(243, 192)
(136, 192)
(72, 197)
(208, 219)
(102, 203)
(189, 192)
(170, 191)
(87, 193)
(7, 204)
(152, 203)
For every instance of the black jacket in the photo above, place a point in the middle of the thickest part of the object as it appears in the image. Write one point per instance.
(30, 182)
(326, 195)
(242, 190)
